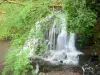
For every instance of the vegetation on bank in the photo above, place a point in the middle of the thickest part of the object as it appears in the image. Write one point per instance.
(81, 19)
(95, 6)
(16, 20)
(19, 19)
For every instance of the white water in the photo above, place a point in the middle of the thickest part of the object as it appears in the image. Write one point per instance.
(61, 44)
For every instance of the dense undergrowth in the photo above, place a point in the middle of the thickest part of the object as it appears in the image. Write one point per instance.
(17, 20)
(95, 6)
(81, 19)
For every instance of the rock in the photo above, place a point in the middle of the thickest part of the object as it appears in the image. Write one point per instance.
(99, 57)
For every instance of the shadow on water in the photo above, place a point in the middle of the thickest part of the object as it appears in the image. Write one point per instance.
(4, 45)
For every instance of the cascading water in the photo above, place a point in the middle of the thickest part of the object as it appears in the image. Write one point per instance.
(65, 50)
(61, 44)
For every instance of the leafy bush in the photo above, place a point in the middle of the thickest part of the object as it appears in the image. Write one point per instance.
(19, 20)
(10, 14)
(18, 64)
(80, 18)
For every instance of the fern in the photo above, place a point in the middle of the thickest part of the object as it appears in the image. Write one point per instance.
(19, 22)
(80, 18)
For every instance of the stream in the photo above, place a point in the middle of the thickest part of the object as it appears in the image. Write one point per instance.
(4, 45)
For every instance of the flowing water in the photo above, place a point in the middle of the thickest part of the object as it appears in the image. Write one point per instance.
(60, 43)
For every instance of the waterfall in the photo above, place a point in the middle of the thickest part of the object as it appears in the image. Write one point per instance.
(61, 44)
(65, 50)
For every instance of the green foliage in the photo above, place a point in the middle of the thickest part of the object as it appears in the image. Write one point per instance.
(95, 5)
(19, 20)
(4, 31)
(80, 18)
(9, 16)
(17, 62)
